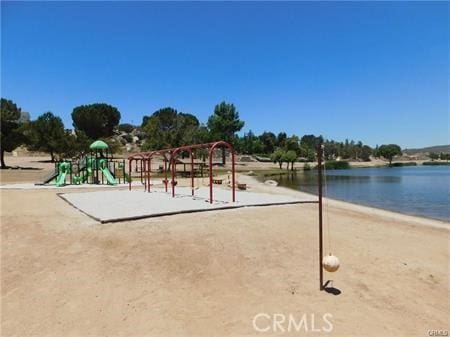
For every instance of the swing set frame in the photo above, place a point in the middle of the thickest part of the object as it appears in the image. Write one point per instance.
(171, 155)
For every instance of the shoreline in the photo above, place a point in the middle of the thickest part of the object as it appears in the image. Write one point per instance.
(258, 186)
(349, 206)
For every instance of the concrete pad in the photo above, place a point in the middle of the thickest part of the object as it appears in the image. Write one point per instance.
(114, 205)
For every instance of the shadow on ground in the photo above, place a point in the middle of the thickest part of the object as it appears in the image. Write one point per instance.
(21, 168)
(328, 287)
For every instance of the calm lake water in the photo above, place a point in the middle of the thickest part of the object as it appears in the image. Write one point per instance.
(416, 190)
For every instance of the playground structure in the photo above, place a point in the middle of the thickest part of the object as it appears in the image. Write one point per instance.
(98, 167)
(170, 157)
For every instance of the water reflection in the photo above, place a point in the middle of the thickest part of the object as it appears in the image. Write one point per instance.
(415, 190)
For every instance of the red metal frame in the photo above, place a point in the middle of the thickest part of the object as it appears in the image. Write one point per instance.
(172, 153)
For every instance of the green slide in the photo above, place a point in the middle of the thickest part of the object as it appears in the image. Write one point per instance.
(63, 169)
(107, 173)
(61, 179)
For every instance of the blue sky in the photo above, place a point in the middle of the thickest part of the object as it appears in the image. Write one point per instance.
(370, 71)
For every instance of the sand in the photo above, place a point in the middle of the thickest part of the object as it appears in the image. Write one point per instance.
(210, 273)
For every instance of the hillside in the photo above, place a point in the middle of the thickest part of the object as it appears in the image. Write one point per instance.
(430, 149)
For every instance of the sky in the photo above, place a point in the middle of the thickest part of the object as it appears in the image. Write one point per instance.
(371, 71)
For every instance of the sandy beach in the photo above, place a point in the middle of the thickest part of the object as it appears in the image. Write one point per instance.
(212, 273)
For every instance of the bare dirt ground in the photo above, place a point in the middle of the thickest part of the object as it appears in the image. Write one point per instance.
(209, 274)
(25, 169)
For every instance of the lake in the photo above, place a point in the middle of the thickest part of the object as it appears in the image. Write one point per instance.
(415, 190)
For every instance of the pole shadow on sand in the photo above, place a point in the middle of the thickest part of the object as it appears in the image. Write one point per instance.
(328, 287)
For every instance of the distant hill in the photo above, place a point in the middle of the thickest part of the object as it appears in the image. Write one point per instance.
(430, 149)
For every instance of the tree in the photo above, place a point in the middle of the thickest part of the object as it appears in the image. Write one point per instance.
(290, 157)
(248, 141)
(268, 140)
(311, 141)
(281, 139)
(444, 156)
(257, 146)
(308, 153)
(70, 146)
(238, 144)
(47, 134)
(12, 119)
(187, 129)
(331, 149)
(224, 123)
(278, 157)
(389, 151)
(159, 129)
(434, 156)
(366, 152)
(168, 128)
(292, 144)
(96, 120)
(201, 135)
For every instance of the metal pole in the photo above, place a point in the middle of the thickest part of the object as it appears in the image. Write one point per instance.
(149, 168)
(96, 167)
(165, 172)
(146, 178)
(123, 166)
(319, 176)
(192, 172)
(210, 154)
(71, 170)
(142, 177)
(129, 170)
(233, 188)
(173, 175)
(114, 170)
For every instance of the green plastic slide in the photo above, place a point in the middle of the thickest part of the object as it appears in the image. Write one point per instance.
(109, 177)
(63, 169)
(61, 179)
(103, 164)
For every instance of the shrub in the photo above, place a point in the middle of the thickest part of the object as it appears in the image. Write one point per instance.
(337, 165)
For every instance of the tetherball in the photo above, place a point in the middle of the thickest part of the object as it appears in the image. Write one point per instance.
(330, 263)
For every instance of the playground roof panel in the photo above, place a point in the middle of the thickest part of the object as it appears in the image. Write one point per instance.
(99, 145)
